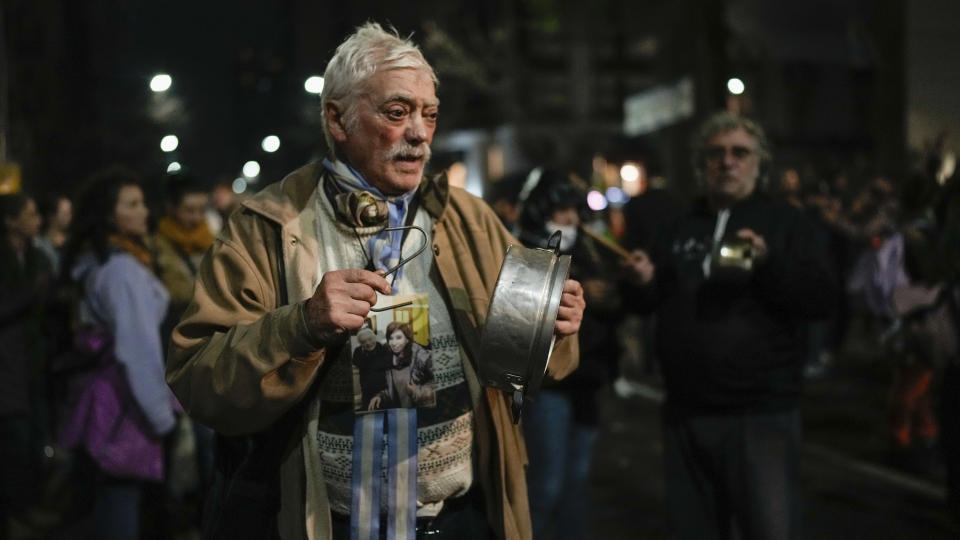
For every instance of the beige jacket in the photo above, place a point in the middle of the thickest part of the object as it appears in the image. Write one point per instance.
(238, 361)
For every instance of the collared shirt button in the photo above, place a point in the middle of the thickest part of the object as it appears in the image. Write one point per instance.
(293, 241)
(436, 249)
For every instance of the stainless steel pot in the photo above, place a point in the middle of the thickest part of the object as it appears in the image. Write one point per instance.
(518, 337)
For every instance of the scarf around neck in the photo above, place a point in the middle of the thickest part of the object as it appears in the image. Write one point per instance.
(133, 246)
(190, 242)
(385, 247)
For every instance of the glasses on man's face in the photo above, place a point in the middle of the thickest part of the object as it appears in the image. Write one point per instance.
(717, 153)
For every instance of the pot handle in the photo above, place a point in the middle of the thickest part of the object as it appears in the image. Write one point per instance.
(553, 243)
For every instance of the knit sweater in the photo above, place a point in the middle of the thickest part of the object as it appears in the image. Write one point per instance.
(445, 432)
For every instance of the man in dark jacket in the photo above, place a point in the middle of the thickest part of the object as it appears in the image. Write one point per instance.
(731, 280)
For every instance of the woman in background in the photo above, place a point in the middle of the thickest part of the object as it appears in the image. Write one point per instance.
(121, 297)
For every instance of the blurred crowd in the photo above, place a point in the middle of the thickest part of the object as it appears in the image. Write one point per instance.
(94, 444)
(94, 281)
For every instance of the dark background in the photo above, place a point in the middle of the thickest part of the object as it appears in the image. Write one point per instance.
(855, 85)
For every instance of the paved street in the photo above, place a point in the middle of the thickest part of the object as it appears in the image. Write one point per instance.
(848, 495)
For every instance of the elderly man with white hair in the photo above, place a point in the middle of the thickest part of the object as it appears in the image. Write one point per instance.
(259, 355)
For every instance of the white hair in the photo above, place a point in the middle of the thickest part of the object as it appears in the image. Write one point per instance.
(368, 50)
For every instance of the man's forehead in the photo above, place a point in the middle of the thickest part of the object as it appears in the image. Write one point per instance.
(403, 84)
(732, 136)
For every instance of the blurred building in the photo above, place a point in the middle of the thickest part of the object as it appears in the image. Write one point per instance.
(522, 81)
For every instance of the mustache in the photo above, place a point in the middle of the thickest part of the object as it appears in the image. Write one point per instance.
(404, 149)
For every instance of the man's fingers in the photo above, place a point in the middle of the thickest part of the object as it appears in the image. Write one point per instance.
(568, 313)
(573, 287)
(758, 242)
(371, 279)
(362, 292)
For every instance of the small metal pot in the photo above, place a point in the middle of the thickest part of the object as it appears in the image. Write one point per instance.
(732, 260)
(518, 337)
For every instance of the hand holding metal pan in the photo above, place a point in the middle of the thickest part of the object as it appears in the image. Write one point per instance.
(518, 336)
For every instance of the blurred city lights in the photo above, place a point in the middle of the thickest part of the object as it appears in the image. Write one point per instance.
(314, 84)
(596, 201)
(169, 143)
(271, 143)
(616, 195)
(736, 86)
(160, 82)
(239, 185)
(629, 172)
(173, 167)
(251, 169)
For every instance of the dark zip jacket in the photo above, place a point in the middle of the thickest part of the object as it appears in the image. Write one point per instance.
(731, 344)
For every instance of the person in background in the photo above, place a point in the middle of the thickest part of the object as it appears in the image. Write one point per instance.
(646, 216)
(931, 327)
(731, 281)
(561, 422)
(25, 275)
(183, 237)
(223, 202)
(122, 298)
(57, 212)
(503, 198)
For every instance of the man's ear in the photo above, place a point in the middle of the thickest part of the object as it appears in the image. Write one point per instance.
(336, 125)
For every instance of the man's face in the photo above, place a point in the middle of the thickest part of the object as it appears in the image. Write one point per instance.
(732, 165)
(387, 139)
(191, 211)
(367, 341)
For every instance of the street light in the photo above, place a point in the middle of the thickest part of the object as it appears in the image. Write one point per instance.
(169, 143)
(251, 169)
(736, 86)
(314, 84)
(173, 167)
(616, 195)
(596, 201)
(239, 185)
(629, 172)
(270, 144)
(160, 82)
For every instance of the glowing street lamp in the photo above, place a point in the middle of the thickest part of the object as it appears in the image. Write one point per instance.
(736, 86)
(174, 167)
(239, 185)
(160, 82)
(629, 172)
(270, 144)
(596, 201)
(314, 84)
(169, 143)
(251, 169)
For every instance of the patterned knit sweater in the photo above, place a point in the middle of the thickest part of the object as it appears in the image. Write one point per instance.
(445, 432)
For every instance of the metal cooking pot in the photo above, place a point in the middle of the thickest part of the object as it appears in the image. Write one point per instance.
(518, 337)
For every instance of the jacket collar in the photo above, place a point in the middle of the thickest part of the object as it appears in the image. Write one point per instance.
(283, 201)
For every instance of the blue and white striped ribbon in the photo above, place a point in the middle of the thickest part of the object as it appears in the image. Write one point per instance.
(400, 481)
(402, 474)
(365, 477)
